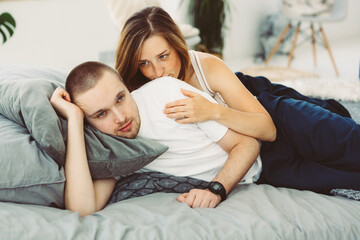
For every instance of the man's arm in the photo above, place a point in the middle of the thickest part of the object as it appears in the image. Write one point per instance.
(243, 151)
(81, 193)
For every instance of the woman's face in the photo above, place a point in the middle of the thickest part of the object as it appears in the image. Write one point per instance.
(158, 58)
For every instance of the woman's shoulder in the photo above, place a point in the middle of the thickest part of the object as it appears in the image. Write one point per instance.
(210, 64)
(207, 59)
(214, 68)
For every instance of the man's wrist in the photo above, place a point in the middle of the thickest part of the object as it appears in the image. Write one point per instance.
(217, 188)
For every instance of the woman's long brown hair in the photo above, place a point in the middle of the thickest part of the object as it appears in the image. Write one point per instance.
(139, 27)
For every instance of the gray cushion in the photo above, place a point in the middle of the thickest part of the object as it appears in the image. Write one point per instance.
(28, 174)
(25, 94)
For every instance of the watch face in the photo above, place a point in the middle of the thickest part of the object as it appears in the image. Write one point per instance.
(216, 187)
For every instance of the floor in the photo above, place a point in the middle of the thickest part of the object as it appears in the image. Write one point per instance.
(346, 53)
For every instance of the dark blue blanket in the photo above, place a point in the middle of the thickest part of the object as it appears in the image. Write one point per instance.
(317, 145)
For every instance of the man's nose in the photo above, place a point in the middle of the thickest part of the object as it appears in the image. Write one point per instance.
(119, 116)
(158, 70)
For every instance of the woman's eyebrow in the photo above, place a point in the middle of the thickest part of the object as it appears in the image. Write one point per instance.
(143, 60)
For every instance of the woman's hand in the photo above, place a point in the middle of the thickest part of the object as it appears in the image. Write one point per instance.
(61, 102)
(196, 108)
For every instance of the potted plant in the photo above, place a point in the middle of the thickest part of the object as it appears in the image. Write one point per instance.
(7, 22)
(209, 18)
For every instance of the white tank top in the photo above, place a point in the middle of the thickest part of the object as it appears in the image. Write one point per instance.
(256, 168)
(194, 58)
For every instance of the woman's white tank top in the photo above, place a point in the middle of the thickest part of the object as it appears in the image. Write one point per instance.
(194, 58)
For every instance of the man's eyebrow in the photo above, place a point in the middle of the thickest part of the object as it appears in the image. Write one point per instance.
(143, 60)
(96, 113)
(102, 110)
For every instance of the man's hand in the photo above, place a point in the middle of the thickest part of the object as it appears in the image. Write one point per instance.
(61, 102)
(200, 198)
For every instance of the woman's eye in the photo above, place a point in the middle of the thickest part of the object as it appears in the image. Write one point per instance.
(144, 64)
(100, 115)
(164, 56)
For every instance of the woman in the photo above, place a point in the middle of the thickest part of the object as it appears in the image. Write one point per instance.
(315, 149)
(152, 46)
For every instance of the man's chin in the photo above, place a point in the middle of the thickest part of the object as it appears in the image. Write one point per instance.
(129, 135)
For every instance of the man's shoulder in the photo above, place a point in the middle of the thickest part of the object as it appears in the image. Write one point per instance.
(163, 82)
(168, 85)
(168, 88)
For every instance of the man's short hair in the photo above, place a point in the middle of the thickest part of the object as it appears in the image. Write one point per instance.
(85, 76)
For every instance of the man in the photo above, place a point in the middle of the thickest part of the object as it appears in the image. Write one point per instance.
(208, 150)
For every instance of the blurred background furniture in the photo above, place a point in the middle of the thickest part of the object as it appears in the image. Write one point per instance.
(309, 14)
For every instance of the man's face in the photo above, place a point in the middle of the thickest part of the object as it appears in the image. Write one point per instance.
(110, 107)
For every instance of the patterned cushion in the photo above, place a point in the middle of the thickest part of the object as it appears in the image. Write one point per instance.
(348, 193)
(141, 184)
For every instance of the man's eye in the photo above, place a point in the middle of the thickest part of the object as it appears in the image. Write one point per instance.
(120, 98)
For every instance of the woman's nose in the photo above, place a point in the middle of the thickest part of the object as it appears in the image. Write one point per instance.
(158, 70)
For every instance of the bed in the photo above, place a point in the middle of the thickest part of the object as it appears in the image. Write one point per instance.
(32, 179)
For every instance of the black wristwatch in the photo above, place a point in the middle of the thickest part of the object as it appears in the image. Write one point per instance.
(217, 188)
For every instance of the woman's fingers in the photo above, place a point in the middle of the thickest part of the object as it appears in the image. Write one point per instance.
(189, 93)
(174, 110)
(196, 108)
(177, 103)
(182, 102)
(178, 115)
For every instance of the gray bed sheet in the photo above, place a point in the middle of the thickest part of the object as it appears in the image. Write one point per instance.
(250, 212)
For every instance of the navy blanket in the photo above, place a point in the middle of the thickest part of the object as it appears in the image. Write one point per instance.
(317, 143)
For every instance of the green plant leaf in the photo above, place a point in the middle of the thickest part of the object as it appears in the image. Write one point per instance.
(8, 22)
(3, 35)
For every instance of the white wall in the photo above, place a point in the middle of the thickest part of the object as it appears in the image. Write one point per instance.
(58, 33)
(242, 37)
(64, 33)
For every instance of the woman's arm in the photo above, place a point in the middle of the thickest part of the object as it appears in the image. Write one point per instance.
(252, 118)
(244, 113)
(81, 193)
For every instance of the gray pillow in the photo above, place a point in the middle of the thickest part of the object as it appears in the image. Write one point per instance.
(28, 174)
(25, 94)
